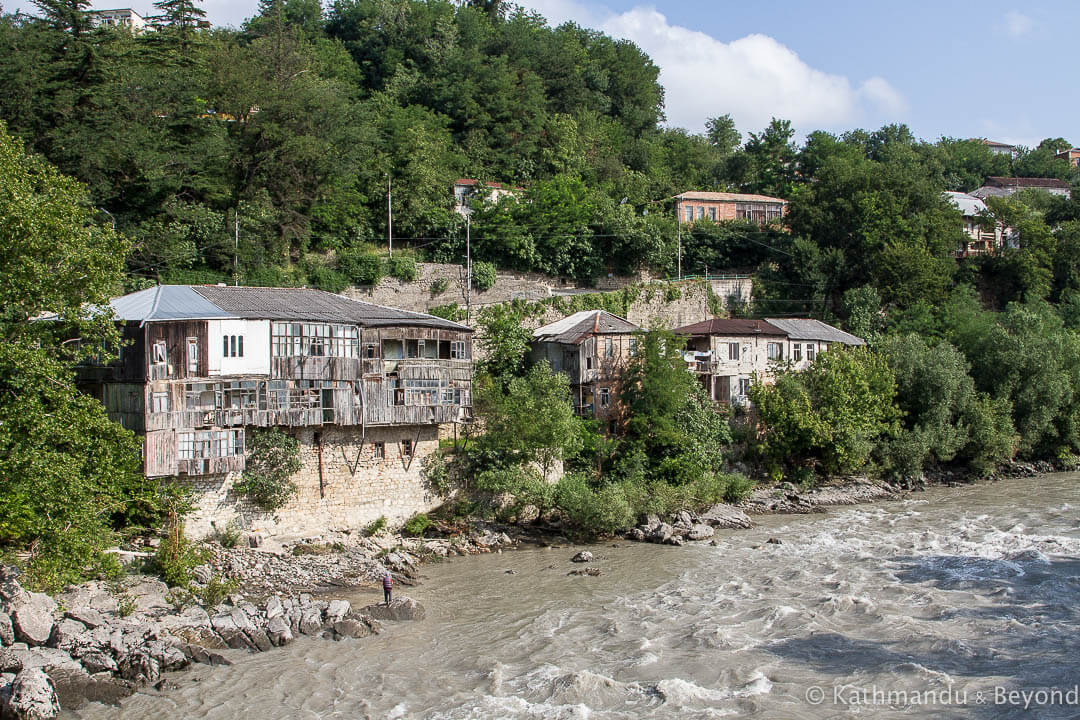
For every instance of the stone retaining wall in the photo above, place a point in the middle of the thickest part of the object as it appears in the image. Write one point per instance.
(353, 489)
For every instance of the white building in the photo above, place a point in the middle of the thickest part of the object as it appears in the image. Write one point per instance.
(118, 18)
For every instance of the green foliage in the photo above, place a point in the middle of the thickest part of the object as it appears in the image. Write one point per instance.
(176, 556)
(416, 525)
(450, 312)
(830, 416)
(402, 266)
(600, 511)
(126, 605)
(440, 286)
(228, 536)
(530, 420)
(483, 275)
(273, 458)
(374, 526)
(216, 591)
(360, 266)
(503, 341)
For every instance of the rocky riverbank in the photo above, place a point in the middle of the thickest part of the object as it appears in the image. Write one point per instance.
(101, 641)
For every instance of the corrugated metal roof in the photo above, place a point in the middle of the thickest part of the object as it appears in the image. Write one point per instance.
(166, 302)
(969, 205)
(727, 197)
(187, 302)
(730, 326)
(807, 329)
(1025, 182)
(575, 328)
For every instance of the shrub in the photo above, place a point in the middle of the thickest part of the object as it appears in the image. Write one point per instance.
(440, 286)
(403, 267)
(325, 278)
(273, 457)
(452, 311)
(176, 556)
(229, 536)
(593, 511)
(216, 591)
(416, 525)
(360, 267)
(483, 276)
(374, 526)
(738, 488)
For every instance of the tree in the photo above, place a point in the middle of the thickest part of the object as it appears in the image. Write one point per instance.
(722, 134)
(181, 17)
(68, 475)
(66, 16)
(772, 159)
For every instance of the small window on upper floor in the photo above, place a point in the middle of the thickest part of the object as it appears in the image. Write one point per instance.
(406, 448)
(810, 351)
(775, 351)
(457, 350)
(588, 362)
(605, 397)
(380, 450)
(796, 352)
(159, 356)
(609, 347)
(733, 351)
(371, 351)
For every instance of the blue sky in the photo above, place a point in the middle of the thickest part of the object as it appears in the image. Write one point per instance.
(996, 69)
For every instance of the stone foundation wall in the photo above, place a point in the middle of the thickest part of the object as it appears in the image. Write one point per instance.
(420, 295)
(355, 487)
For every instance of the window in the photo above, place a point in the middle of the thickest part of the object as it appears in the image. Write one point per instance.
(371, 351)
(193, 355)
(633, 347)
(605, 397)
(240, 395)
(406, 448)
(733, 351)
(775, 351)
(796, 352)
(159, 402)
(457, 350)
(712, 214)
(810, 352)
(159, 356)
(609, 347)
(313, 340)
(380, 450)
(744, 386)
(210, 444)
(232, 346)
(701, 212)
(689, 213)
(412, 348)
(393, 349)
(588, 362)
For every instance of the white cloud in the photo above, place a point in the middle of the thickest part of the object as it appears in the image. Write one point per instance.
(1018, 24)
(753, 78)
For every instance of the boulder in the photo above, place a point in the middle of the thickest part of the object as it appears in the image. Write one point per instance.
(96, 661)
(528, 514)
(582, 557)
(234, 637)
(635, 534)
(202, 574)
(11, 592)
(32, 620)
(88, 616)
(311, 621)
(727, 517)
(675, 540)
(68, 635)
(355, 626)
(278, 631)
(662, 533)
(337, 610)
(650, 523)
(199, 654)
(202, 636)
(592, 572)
(700, 532)
(7, 632)
(274, 608)
(10, 661)
(166, 655)
(33, 696)
(140, 666)
(403, 608)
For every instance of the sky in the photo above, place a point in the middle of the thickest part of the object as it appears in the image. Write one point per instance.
(996, 69)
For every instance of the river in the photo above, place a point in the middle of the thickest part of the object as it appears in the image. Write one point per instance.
(957, 602)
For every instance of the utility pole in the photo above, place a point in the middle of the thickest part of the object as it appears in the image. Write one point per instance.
(236, 249)
(389, 215)
(678, 213)
(468, 264)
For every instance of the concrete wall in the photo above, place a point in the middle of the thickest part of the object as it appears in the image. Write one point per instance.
(347, 499)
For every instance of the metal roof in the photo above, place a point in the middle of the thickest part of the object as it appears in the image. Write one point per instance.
(575, 328)
(727, 197)
(968, 205)
(807, 329)
(203, 302)
(730, 326)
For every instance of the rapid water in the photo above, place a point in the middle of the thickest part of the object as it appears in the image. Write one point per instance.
(939, 606)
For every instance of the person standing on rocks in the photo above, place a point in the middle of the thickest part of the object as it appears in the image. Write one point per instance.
(387, 587)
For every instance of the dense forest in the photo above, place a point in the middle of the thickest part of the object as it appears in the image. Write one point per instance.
(269, 154)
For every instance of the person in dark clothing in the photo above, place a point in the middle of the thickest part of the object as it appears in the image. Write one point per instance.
(387, 586)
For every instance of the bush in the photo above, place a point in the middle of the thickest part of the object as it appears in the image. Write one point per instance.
(738, 488)
(375, 526)
(176, 556)
(273, 457)
(440, 286)
(452, 312)
(403, 267)
(325, 278)
(216, 591)
(416, 525)
(360, 267)
(483, 276)
(227, 537)
(600, 511)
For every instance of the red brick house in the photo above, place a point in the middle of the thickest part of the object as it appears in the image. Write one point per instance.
(716, 206)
